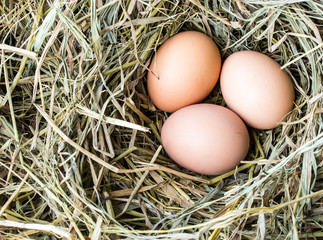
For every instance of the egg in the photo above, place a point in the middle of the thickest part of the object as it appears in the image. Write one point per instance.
(183, 71)
(205, 138)
(255, 88)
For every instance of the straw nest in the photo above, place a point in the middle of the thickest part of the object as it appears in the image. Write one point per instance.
(80, 151)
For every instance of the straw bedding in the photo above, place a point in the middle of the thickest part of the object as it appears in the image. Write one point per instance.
(80, 150)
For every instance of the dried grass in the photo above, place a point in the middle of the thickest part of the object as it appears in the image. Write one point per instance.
(80, 153)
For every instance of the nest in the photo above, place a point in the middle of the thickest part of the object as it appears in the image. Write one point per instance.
(80, 149)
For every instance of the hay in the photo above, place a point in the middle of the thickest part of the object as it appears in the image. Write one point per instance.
(80, 153)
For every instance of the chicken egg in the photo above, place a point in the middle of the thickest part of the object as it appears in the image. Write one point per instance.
(255, 88)
(183, 71)
(205, 138)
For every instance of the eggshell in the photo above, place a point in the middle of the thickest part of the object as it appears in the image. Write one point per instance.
(183, 71)
(205, 138)
(254, 87)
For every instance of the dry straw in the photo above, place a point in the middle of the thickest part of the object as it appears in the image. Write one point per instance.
(80, 151)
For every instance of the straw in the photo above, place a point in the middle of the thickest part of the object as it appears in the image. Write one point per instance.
(80, 149)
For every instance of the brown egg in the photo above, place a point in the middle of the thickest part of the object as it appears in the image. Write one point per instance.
(184, 71)
(255, 88)
(205, 138)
